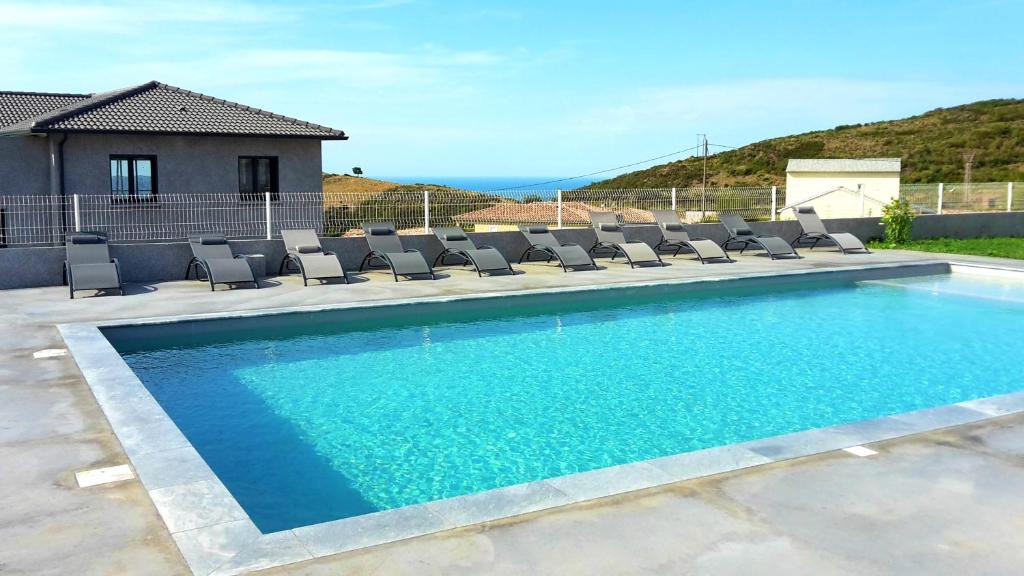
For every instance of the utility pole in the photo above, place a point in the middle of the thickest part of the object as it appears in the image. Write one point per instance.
(968, 165)
(702, 141)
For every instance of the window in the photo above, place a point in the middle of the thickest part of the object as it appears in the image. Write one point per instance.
(133, 178)
(257, 175)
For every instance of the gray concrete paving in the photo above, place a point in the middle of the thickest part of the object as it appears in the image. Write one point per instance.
(938, 503)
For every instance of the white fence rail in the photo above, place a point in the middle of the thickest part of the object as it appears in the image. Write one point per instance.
(44, 220)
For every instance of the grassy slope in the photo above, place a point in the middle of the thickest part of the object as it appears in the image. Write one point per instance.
(998, 247)
(930, 145)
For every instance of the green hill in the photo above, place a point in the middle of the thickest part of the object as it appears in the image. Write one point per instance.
(931, 146)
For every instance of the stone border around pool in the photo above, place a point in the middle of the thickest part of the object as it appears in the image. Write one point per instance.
(217, 537)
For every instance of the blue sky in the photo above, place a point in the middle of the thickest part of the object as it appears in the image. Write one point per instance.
(531, 87)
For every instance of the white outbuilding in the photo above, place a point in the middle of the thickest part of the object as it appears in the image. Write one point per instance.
(842, 187)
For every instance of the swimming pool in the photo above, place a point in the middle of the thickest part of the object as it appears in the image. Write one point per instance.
(322, 417)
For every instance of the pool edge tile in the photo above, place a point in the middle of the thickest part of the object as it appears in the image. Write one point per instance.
(207, 548)
(1003, 405)
(610, 481)
(266, 551)
(707, 462)
(347, 534)
(196, 505)
(500, 503)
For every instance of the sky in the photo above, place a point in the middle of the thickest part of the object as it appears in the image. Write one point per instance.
(529, 88)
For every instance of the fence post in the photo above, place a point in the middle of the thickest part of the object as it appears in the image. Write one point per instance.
(270, 231)
(775, 201)
(938, 210)
(426, 211)
(673, 199)
(559, 210)
(1009, 196)
(78, 215)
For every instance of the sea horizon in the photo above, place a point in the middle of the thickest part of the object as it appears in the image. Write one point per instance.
(495, 183)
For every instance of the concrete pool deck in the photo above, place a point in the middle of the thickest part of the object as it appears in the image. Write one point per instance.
(51, 427)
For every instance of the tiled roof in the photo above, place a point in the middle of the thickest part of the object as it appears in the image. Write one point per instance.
(547, 213)
(844, 165)
(157, 108)
(17, 107)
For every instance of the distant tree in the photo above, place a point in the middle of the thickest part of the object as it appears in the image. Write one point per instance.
(357, 171)
(532, 198)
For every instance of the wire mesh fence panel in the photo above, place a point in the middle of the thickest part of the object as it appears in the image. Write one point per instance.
(923, 198)
(344, 213)
(43, 220)
(32, 220)
(974, 197)
(172, 216)
(704, 204)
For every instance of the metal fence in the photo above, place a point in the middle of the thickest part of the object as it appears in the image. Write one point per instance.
(44, 220)
(958, 197)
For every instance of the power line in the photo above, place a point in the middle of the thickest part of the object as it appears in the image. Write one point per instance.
(676, 153)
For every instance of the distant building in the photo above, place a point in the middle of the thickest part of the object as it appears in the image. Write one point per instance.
(840, 187)
(510, 215)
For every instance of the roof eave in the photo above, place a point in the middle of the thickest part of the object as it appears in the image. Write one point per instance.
(340, 136)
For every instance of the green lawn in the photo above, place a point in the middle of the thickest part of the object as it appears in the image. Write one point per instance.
(999, 247)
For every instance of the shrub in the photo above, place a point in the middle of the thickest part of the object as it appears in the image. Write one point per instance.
(898, 218)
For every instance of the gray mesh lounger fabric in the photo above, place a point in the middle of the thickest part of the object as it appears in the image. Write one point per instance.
(814, 232)
(611, 237)
(212, 254)
(483, 258)
(741, 234)
(386, 247)
(88, 265)
(543, 242)
(674, 237)
(305, 252)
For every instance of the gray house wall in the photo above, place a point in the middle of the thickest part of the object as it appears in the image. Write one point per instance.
(189, 164)
(185, 165)
(24, 166)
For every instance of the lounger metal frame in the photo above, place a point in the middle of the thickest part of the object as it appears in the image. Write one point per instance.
(753, 240)
(550, 254)
(667, 245)
(68, 278)
(599, 218)
(295, 258)
(816, 237)
(467, 258)
(196, 264)
(367, 262)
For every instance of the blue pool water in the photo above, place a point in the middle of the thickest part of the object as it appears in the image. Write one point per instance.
(332, 421)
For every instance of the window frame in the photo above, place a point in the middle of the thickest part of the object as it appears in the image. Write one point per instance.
(254, 196)
(133, 196)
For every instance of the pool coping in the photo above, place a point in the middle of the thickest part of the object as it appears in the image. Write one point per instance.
(217, 537)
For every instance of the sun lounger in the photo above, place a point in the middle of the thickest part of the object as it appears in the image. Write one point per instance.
(814, 232)
(212, 255)
(740, 235)
(88, 265)
(457, 245)
(386, 248)
(612, 239)
(674, 238)
(543, 242)
(305, 253)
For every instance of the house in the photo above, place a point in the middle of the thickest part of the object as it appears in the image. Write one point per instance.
(133, 145)
(842, 188)
(510, 215)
